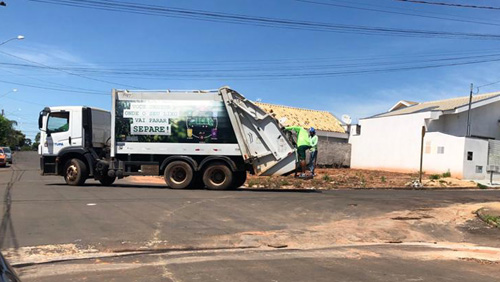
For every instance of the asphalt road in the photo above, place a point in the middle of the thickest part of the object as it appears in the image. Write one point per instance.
(129, 232)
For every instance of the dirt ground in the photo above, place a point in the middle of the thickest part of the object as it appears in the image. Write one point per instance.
(339, 178)
(344, 178)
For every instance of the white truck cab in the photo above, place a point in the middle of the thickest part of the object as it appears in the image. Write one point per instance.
(69, 129)
(61, 128)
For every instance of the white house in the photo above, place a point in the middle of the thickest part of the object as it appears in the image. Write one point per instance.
(392, 140)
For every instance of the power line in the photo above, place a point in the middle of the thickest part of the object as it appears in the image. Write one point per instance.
(393, 12)
(49, 82)
(164, 11)
(485, 85)
(52, 88)
(70, 73)
(309, 74)
(451, 4)
(25, 101)
(258, 62)
(158, 70)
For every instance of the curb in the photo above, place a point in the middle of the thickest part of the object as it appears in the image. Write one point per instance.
(422, 188)
(481, 213)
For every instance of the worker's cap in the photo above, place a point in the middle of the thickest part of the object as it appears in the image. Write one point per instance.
(312, 129)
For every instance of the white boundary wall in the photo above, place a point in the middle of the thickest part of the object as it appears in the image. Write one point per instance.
(389, 143)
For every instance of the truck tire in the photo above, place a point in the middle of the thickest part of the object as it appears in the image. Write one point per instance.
(239, 178)
(75, 172)
(218, 176)
(178, 175)
(106, 180)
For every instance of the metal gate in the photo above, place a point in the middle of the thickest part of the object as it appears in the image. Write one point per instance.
(494, 153)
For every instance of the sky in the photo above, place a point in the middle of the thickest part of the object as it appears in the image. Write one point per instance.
(76, 55)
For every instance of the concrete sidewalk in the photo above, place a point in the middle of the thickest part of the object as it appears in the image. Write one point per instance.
(490, 214)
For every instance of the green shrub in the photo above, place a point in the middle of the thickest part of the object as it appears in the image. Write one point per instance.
(481, 186)
(434, 176)
(447, 174)
(284, 182)
(327, 178)
(253, 182)
(383, 179)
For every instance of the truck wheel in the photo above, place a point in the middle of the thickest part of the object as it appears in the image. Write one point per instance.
(218, 177)
(75, 172)
(178, 175)
(107, 181)
(239, 178)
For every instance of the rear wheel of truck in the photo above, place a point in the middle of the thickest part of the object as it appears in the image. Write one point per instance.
(218, 176)
(239, 178)
(107, 181)
(178, 175)
(75, 172)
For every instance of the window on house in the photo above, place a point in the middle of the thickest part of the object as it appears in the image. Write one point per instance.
(479, 169)
(440, 150)
(470, 156)
(358, 129)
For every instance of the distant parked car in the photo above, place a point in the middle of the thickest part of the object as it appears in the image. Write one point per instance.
(3, 158)
(8, 153)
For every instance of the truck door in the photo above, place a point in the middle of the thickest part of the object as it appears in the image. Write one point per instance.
(58, 131)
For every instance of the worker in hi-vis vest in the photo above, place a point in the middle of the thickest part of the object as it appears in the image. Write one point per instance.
(303, 144)
(313, 139)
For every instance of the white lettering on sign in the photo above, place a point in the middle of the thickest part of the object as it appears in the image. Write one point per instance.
(136, 129)
(151, 119)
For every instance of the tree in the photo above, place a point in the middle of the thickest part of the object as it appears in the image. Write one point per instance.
(35, 144)
(9, 136)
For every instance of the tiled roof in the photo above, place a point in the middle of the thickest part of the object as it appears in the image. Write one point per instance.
(320, 120)
(440, 105)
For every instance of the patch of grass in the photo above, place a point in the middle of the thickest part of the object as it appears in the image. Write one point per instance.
(297, 183)
(481, 186)
(316, 183)
(363, 182)
(447, 174)
(272, 183)
(493, 219)
(383, 179)
(331, 185)
(434, 176)
(326, 178)
(252, 182)
(284, 182)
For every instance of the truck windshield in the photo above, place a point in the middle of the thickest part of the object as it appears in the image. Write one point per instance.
(7, 150)
(58, 122)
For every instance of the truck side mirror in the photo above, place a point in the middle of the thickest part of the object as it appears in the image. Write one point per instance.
(43, 113)
(40, 121)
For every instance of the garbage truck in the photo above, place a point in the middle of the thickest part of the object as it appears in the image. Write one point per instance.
(194, 139)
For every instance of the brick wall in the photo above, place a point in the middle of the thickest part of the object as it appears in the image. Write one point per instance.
(332, 153)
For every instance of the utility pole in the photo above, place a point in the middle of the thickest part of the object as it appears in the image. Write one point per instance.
(421, 156)
(468, 112)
